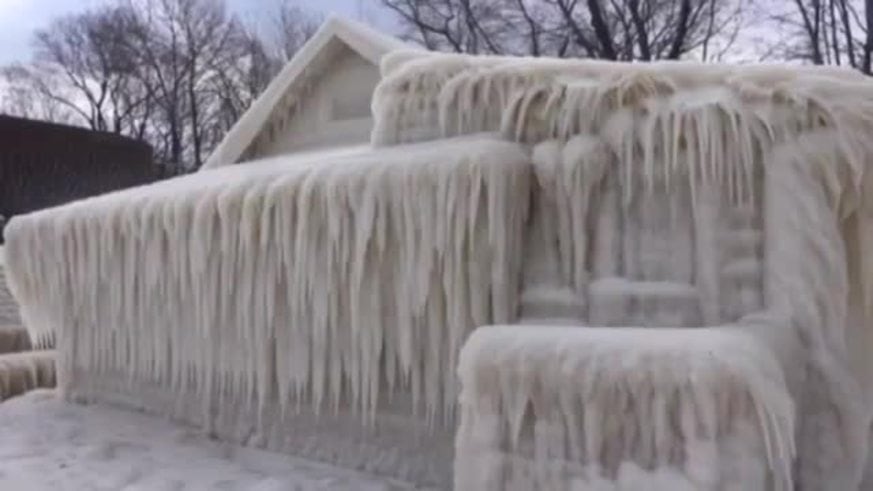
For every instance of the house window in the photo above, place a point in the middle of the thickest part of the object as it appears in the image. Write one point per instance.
(350, 106)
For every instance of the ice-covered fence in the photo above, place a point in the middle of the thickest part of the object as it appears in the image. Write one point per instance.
(328, 284)
(555, 408)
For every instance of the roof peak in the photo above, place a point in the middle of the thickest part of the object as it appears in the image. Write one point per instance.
(365, 40)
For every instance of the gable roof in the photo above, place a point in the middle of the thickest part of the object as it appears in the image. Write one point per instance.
(362, 39)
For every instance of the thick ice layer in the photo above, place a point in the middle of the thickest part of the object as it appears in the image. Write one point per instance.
(661, 195)
(323, 283)
(428, 95)
(676, 251)
(818, 272)
(545, 407)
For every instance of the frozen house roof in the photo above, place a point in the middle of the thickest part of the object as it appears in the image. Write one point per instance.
(312, 58)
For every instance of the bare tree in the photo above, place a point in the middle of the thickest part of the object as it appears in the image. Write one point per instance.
(175, 73)
(79, 66)
(469, 26)
(204, 68)
(609, 29)
(241, 80)
(20, 97)
(210, 39)
(293, 26)
(826, 32)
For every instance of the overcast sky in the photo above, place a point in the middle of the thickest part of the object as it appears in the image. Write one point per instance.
(19, 18)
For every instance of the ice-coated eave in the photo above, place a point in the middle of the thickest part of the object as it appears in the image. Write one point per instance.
(427, 95)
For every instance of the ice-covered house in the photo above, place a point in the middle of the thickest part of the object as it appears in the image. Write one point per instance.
(540, 274)
(320, 99)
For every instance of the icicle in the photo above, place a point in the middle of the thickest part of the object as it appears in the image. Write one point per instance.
(291, 250)
(334, 284)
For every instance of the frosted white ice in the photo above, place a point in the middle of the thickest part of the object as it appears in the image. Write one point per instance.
(554, 408)
(660, 196)
(324, 283)
(427, 95)
(720, 192)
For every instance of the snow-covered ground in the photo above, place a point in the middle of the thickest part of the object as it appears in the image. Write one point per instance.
(46, 444)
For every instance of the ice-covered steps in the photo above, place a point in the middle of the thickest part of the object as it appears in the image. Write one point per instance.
(20, 368)
(13, 338)
(8, 307)
(621, 302)
(13, 335)
(21, 372)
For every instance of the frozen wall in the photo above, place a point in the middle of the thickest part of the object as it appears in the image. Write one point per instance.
(330, 286)
(619, 251)
(675, 194)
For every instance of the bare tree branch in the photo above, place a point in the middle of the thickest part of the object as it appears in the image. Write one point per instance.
(610, 29)
(176, 73)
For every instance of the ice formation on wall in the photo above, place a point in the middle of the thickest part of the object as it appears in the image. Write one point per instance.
(427, 96)
(730, 201)
(314, 282)
(729, 193)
